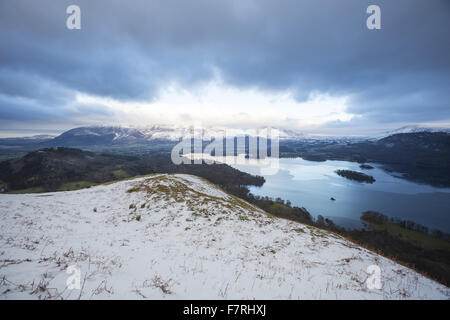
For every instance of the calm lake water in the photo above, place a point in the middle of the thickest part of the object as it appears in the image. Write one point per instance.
(311, 184)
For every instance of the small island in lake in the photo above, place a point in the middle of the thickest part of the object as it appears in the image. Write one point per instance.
(365, 166)
(355, 175)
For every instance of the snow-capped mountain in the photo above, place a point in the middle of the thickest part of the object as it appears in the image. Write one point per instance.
(413, 129)
(117, 135)
(40, 137)
(99, 135)
(180, 237)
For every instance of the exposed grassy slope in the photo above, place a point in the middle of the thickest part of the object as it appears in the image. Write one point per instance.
(69, 186)
(27, 190)
(414, 237)
(120, 174)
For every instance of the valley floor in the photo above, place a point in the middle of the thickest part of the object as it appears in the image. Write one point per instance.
(180, 237)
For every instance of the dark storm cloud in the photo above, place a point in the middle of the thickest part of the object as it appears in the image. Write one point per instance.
(128, 50)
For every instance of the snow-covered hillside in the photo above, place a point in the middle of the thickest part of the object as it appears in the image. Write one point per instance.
(179, 237)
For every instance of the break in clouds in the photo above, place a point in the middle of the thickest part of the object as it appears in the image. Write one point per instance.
(296, 64)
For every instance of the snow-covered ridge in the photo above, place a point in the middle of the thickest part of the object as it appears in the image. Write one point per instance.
(180, 237)
(413, 129)
(124, 134)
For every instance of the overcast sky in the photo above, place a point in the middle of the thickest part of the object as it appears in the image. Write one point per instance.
(311, 66)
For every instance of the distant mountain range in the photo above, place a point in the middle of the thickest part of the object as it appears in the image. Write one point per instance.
(413, 129)
(157, 139)
(116, 135)
(119, 135)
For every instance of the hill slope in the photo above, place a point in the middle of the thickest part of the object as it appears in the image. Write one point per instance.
(53, 169)
(175, 237)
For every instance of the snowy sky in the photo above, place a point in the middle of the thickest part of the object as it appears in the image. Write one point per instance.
(310, 65)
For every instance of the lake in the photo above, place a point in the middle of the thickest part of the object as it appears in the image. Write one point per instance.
(311, 184)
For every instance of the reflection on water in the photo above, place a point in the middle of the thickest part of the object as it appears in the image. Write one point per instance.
(311, 185)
